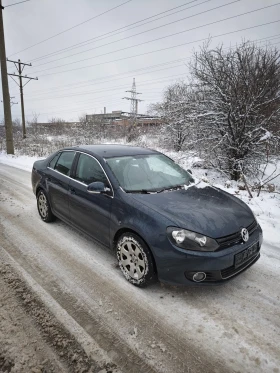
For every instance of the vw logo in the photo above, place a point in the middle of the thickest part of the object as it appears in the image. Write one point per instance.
(244, 234)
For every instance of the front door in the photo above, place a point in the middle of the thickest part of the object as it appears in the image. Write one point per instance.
(90, 212)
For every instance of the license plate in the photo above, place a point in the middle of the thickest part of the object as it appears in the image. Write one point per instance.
(246, 254)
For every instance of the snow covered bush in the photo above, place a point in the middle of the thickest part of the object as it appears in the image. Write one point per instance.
(239, 103)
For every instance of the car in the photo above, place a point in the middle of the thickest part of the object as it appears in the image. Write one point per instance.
(148, 210)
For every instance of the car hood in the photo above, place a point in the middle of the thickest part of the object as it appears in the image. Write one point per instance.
(209, 211)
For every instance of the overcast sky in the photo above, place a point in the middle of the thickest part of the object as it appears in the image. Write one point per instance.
(68, 87)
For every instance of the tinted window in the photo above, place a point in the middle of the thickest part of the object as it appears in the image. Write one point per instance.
(64, 162)
(53, 161)
(89, 170)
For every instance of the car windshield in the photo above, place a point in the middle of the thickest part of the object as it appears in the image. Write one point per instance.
(148, 173)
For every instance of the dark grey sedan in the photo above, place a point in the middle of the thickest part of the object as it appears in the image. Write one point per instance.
(148, 210)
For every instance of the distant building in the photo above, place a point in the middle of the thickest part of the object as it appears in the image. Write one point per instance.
(116, 115)
(119, 117)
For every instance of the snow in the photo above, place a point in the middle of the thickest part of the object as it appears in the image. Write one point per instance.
(266, 136)
(23, 162)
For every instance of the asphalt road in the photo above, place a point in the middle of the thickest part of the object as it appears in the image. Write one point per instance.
(230, 328)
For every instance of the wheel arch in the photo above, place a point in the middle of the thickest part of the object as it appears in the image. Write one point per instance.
(39, 187)
(129, 230)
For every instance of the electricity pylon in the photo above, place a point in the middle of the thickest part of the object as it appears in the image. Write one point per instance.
(134, 102)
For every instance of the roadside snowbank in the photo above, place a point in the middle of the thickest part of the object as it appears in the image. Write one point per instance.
(23, 162)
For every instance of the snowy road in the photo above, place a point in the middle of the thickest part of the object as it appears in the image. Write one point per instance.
(229, 328)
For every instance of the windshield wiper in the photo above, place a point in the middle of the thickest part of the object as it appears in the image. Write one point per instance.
(141, 191)
(175, 187)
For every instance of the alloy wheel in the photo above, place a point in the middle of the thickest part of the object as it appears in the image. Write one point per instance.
(43, 205)
(132, 259)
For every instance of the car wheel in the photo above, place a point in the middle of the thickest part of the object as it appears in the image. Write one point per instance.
(44, 208)
(135, 260)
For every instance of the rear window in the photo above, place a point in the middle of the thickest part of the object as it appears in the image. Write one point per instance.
(54, 160)
(64, 162)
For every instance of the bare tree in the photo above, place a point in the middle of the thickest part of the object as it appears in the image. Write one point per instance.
(239, 102)
(34, 120)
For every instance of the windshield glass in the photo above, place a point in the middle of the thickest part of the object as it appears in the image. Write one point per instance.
(148, 173)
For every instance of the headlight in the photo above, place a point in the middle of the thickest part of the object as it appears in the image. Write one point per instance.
(190, 240)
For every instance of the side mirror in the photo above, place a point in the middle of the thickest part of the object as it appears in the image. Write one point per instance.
(189, 171)
(97, 187)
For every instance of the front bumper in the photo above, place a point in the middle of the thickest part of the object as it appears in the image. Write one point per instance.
(177, 266)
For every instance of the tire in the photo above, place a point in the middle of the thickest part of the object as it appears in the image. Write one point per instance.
(44, 208)
(135, 260)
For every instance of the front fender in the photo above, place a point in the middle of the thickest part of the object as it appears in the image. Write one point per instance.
(131, 215)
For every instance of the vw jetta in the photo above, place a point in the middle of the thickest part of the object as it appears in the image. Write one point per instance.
(147, 209)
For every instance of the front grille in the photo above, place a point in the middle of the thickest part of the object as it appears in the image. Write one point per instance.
(235, 238)
(231, 271)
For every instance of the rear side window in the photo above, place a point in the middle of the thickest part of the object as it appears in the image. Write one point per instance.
(89, 170)
(53, 161)
(64, 162)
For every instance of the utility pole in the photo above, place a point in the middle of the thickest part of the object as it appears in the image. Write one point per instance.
(20, 66)
(134, 102)
(5, 88)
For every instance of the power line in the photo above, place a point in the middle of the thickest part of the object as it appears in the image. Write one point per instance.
(140, 33)
(110, 97)
(159, 50)
(92, 102)
(110, 76)
(96, 98)
(82, 83)
(114, 32)
(71, 28)
(110, 89)
(106, 81)
(80, 110)
(6, 6)
(103, 90)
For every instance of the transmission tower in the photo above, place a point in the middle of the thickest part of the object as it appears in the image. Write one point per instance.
(134, 102)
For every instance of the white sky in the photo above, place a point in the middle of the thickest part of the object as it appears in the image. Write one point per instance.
(87, 89)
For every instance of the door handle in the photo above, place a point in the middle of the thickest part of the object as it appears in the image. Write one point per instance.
(72, 190)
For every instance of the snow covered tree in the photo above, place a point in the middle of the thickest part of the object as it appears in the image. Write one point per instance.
(239, 103)
(178, 112)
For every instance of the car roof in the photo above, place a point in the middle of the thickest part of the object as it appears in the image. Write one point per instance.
(113, 150)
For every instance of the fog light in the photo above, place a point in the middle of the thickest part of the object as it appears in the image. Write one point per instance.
(199, 276)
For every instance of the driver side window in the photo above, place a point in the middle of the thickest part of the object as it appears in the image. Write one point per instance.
(89, 170)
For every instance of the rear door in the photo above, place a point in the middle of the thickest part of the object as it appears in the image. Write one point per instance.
(58, 183)
(90, 212)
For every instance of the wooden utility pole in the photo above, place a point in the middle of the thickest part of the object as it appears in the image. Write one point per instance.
(20, 66)
(5, 89)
